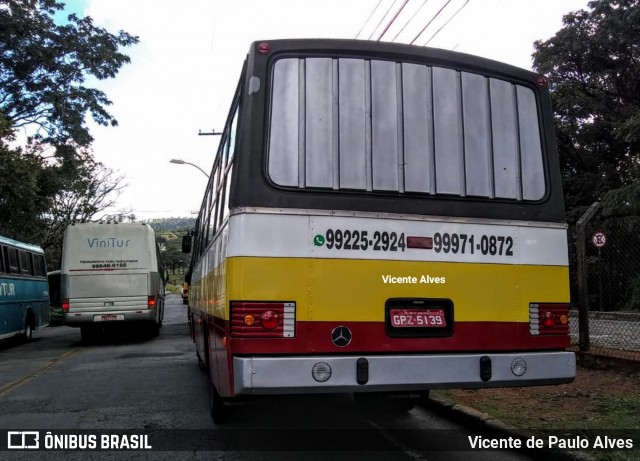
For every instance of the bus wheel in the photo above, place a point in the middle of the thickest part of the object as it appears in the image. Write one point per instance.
(28, 328)
(201, 363)
(217, 406)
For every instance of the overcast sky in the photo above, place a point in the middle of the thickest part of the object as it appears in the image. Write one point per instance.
(185, 69)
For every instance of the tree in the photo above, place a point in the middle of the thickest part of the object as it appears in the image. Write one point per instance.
(171, 250)
(593, 65)
(53, 180)
(87, 190)
(43, 68)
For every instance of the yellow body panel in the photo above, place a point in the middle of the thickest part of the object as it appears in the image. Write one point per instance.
(354, 290)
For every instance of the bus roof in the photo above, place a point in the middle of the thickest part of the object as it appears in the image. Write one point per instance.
(21, 245)
(393, 51)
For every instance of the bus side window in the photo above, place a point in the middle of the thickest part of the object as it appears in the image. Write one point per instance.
(3, 268)
(26, 267)
(12, 258)
(39, 266)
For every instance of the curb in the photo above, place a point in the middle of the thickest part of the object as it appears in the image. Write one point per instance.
(475, 419)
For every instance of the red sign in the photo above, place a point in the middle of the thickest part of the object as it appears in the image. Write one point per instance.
(599, 239)
(419, 318)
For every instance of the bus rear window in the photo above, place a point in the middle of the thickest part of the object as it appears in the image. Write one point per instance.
(374, 125)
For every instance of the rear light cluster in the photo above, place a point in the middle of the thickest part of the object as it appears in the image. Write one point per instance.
(65, 305)
(549, 319)
(263, 319)
(151, 302)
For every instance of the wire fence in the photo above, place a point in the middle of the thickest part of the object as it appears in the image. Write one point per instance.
(606, 281)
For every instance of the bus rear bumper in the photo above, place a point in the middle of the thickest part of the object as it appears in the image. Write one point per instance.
(78, 319)
(287, 375)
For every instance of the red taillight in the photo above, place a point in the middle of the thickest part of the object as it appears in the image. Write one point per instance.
(269, 320)
(262, 319)
(65, 305)
(549, 319)
(264, 48)
(151, 302)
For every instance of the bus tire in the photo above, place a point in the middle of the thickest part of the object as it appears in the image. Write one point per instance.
(203, 362)
(28, 326)
(217, 406)
(87, 334)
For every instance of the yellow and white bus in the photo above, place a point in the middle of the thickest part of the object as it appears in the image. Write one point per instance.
(381, 218)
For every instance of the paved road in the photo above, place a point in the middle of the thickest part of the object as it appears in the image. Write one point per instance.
(153, 386)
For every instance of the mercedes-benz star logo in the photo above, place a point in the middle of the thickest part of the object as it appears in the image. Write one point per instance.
(341, 336)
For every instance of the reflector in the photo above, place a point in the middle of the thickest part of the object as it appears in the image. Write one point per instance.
(321, 372)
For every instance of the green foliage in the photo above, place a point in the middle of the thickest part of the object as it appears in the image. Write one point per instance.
(169, 232)
(593, 65)
(21, 200)
(171, 249)
(624, 201)
(178, 225)
(43, 68)
(633, 296)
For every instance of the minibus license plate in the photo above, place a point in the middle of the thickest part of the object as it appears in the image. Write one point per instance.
(420, 318)
(108, 317)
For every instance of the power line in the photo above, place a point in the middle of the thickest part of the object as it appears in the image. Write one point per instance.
(448, 21)
(367, 21)
(429, 23)
(409, 21)
(393, 19)
(383, 18)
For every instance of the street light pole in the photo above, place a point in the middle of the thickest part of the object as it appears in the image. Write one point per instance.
(182, 162)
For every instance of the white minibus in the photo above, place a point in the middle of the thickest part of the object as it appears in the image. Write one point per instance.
(111, 273)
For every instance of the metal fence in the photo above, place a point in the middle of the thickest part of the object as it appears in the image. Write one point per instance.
(606, 282)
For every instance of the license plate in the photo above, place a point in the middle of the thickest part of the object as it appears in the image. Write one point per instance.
(418, 318)
(108, 317)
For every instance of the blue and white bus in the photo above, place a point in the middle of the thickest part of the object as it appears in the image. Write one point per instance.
(24, 290)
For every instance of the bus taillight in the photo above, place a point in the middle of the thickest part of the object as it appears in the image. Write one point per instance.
(65, 305)
(255, 319)
(549, 319)
(151, 302)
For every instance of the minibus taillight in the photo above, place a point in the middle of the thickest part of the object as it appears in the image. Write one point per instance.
(151, 302)
(254, 319)
(65, 305)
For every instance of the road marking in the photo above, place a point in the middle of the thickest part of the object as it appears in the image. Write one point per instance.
(411, 453)
(7, 388)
